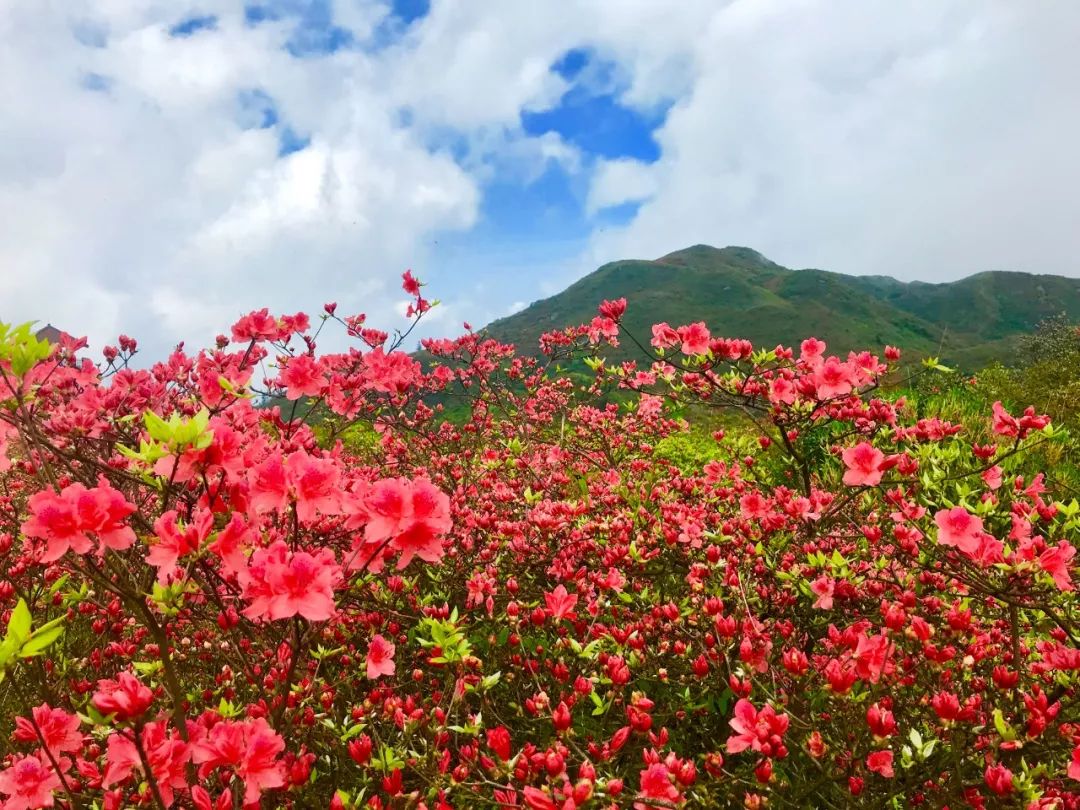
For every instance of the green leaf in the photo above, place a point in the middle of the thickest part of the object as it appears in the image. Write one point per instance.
(40, 641)
(18, 629)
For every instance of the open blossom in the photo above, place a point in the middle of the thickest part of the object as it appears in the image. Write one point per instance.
(811, 351)
(175, 541)
(312, 482)
(1056, 561)
(695, 338)
(302, 376)
(280, 583)
(754, 505)
(833, 378)
(380, 657)
(664, 336)
(823, 588)
(28, 783)
(126, 697)
(390, 373)
(60, 729)
(756, 729)
(68, 520)
(959, 528)
(658, 784)
(881, 762)
(613, 309)
(166, 752)
(865, 465)
(249, 748)
(411, 515)
(870, 656)
(559, 603)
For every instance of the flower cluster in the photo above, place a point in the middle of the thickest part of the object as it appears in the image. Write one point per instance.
(471, 579)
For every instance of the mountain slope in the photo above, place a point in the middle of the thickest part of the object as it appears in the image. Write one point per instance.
(740, 293)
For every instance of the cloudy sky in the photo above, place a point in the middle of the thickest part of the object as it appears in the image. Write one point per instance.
(166, 165)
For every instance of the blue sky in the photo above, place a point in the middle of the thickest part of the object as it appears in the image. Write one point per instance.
(172, 165)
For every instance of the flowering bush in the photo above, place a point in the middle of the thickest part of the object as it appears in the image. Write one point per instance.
(211, 604)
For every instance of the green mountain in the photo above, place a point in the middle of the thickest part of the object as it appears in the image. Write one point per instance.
(740, 293)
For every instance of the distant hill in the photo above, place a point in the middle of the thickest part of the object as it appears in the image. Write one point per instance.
(740, 293)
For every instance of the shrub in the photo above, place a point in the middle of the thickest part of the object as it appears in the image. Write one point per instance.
(554, 602)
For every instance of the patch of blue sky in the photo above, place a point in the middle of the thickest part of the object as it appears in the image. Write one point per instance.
(409, 11)
(314, 31)
(289, 141)
(90, 34)
(402, 15)
(599, 125)
(256, 109)
(571, 63)
(193, 25)
(96, 83)
(542, 220)
(590, 114)
(616, 216)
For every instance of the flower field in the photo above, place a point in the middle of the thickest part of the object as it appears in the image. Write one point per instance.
(261, 575)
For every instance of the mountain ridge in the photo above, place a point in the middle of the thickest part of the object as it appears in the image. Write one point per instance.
(739, 292)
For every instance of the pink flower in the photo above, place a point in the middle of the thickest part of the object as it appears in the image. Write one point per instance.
(695, 338)
(1003, 423)
(782, 391)
(413, 515)
(393, 373)
(174, 542)
(999, 779)
(881, 762)
(409, 283)
(823, 587)
(663, 336)
(66, 520)
(1074, 765)
(754, 505)
(380, 657)
(864, 464)
(126, 697)
(959, 528)
(1056, 560)
(230, 543)
(250, 748)
(29, 783)
(870, 656)
(498, 740)
(992, 477)
(811, 351)
(302, 376)
(754, 728)
(658, 784)
(7, 433)
(832, 379)
(559, 603)
(166, 753)
(281, 583)
(59, 728)
(613, 309)
(311, 482)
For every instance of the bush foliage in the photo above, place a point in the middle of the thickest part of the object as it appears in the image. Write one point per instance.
(567, 599)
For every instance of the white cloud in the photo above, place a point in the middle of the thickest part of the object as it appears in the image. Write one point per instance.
(926, 140)
(873, 137)
(620, 181)
(149, 209)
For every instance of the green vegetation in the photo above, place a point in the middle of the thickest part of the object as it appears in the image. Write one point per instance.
(740, 293)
